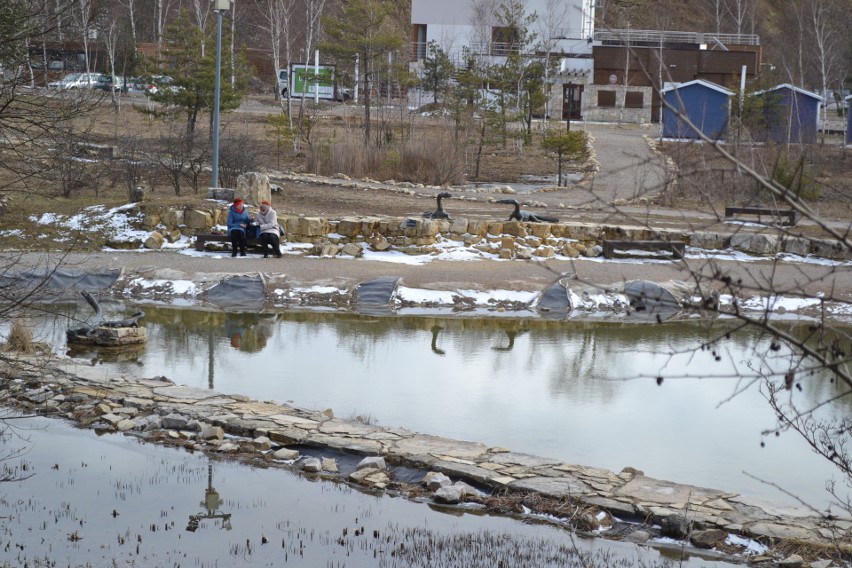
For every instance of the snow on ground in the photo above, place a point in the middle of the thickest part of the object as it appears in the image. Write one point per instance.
(117, 224)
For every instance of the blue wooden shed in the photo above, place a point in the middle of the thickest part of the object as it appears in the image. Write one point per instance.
(849, 120)
(791, 115)
(707, 105)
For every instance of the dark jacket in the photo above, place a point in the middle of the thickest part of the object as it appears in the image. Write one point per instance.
(236, 219)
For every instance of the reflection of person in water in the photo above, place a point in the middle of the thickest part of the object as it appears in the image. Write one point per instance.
(248, 332)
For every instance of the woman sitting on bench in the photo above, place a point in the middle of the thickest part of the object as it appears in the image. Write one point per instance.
(238, 220)
(268, 225)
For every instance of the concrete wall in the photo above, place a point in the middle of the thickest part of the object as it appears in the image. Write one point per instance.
(596, 113)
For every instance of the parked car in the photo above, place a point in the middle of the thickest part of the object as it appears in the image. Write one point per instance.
(76, 81)
(159, 83)
(105, 83)
(136, 85)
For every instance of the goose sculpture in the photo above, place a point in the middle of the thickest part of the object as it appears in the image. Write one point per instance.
(526, 216)
(439, 213)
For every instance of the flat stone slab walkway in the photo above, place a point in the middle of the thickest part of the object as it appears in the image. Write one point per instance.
(159, 409)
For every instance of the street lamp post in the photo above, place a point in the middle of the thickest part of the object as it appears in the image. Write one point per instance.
(219, 6)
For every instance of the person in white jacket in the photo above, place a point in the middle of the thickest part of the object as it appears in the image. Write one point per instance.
(267, 221)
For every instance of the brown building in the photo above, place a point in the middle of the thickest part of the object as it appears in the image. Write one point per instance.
(630, 65)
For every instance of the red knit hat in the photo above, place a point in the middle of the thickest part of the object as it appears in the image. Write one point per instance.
(265, 202)
(238, 201)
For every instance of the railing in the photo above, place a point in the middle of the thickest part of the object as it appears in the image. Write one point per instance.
(658, 36)
(420, 50)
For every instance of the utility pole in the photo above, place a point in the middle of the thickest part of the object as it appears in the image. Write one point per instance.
(219, 6)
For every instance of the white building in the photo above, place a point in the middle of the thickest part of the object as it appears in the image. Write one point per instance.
(564, 29)
(565, 26)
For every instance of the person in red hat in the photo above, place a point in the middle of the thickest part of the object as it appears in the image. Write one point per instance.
(238, 220)
(267, 220)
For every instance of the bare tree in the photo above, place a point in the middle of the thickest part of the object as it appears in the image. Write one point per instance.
(826, 44)
(277, 25)
(131, 14)
(84, 17)
(240, 153)
(313, 25)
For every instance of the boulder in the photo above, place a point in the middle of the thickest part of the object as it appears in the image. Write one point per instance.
(708, 538)
(372, 462)
(312, 465)
(450, 495)
(211, 433)
(154, 241)
(198, 220)
(352, 249)
(434, 481)
(254, 187)
(286, 454)
(173, 422)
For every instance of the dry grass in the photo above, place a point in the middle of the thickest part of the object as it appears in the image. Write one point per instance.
(20, 339)
(819, 175)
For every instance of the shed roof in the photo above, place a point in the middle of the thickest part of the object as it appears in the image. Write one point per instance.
(708, 84)
(792, 88)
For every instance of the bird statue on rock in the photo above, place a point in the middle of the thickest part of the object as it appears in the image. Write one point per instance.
(439, 213)
(526, 216)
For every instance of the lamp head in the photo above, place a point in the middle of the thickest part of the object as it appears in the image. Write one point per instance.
(221, 4)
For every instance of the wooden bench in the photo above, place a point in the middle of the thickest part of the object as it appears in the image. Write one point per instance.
(785, 216)
(663, 249)
(202, 239)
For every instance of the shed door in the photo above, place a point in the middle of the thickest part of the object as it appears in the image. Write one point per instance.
(571, 101)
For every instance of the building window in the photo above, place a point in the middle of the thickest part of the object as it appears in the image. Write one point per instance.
(418, 44)
(634, 99)
(606, 98)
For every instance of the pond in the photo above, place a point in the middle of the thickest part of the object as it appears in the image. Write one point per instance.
(114, 501)
(583, 392)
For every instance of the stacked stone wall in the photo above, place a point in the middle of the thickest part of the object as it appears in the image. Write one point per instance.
(508, 239)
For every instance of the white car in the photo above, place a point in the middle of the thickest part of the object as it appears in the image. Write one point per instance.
(76, 81)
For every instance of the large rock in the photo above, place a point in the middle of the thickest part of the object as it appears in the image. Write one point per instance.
(254, 188)
(173, 218)
(221, 194)
(757, 243)
(451, 494)
(708, 538)
(155, 241)
(198, 220)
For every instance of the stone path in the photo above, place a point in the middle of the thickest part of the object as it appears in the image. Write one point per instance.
(210, 421)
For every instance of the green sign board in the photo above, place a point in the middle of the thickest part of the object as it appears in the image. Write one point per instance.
(308, 80)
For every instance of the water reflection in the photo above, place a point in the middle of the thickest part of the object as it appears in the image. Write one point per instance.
(248, 332)
(436, 329)
(583, 392)
(79, 477)
(211, 503)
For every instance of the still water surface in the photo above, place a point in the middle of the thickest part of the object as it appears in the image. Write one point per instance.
(583, 392)
(111, 501)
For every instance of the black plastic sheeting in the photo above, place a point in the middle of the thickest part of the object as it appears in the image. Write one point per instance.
(374, 296)
(238, 291)
(651, 299)
(555, 299)
(61, 279)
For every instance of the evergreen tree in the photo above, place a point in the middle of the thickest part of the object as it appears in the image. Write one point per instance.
(189, 58)
(363, 29)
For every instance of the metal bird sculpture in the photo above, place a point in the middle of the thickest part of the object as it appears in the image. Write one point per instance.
(439, 213)
(526, 216)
